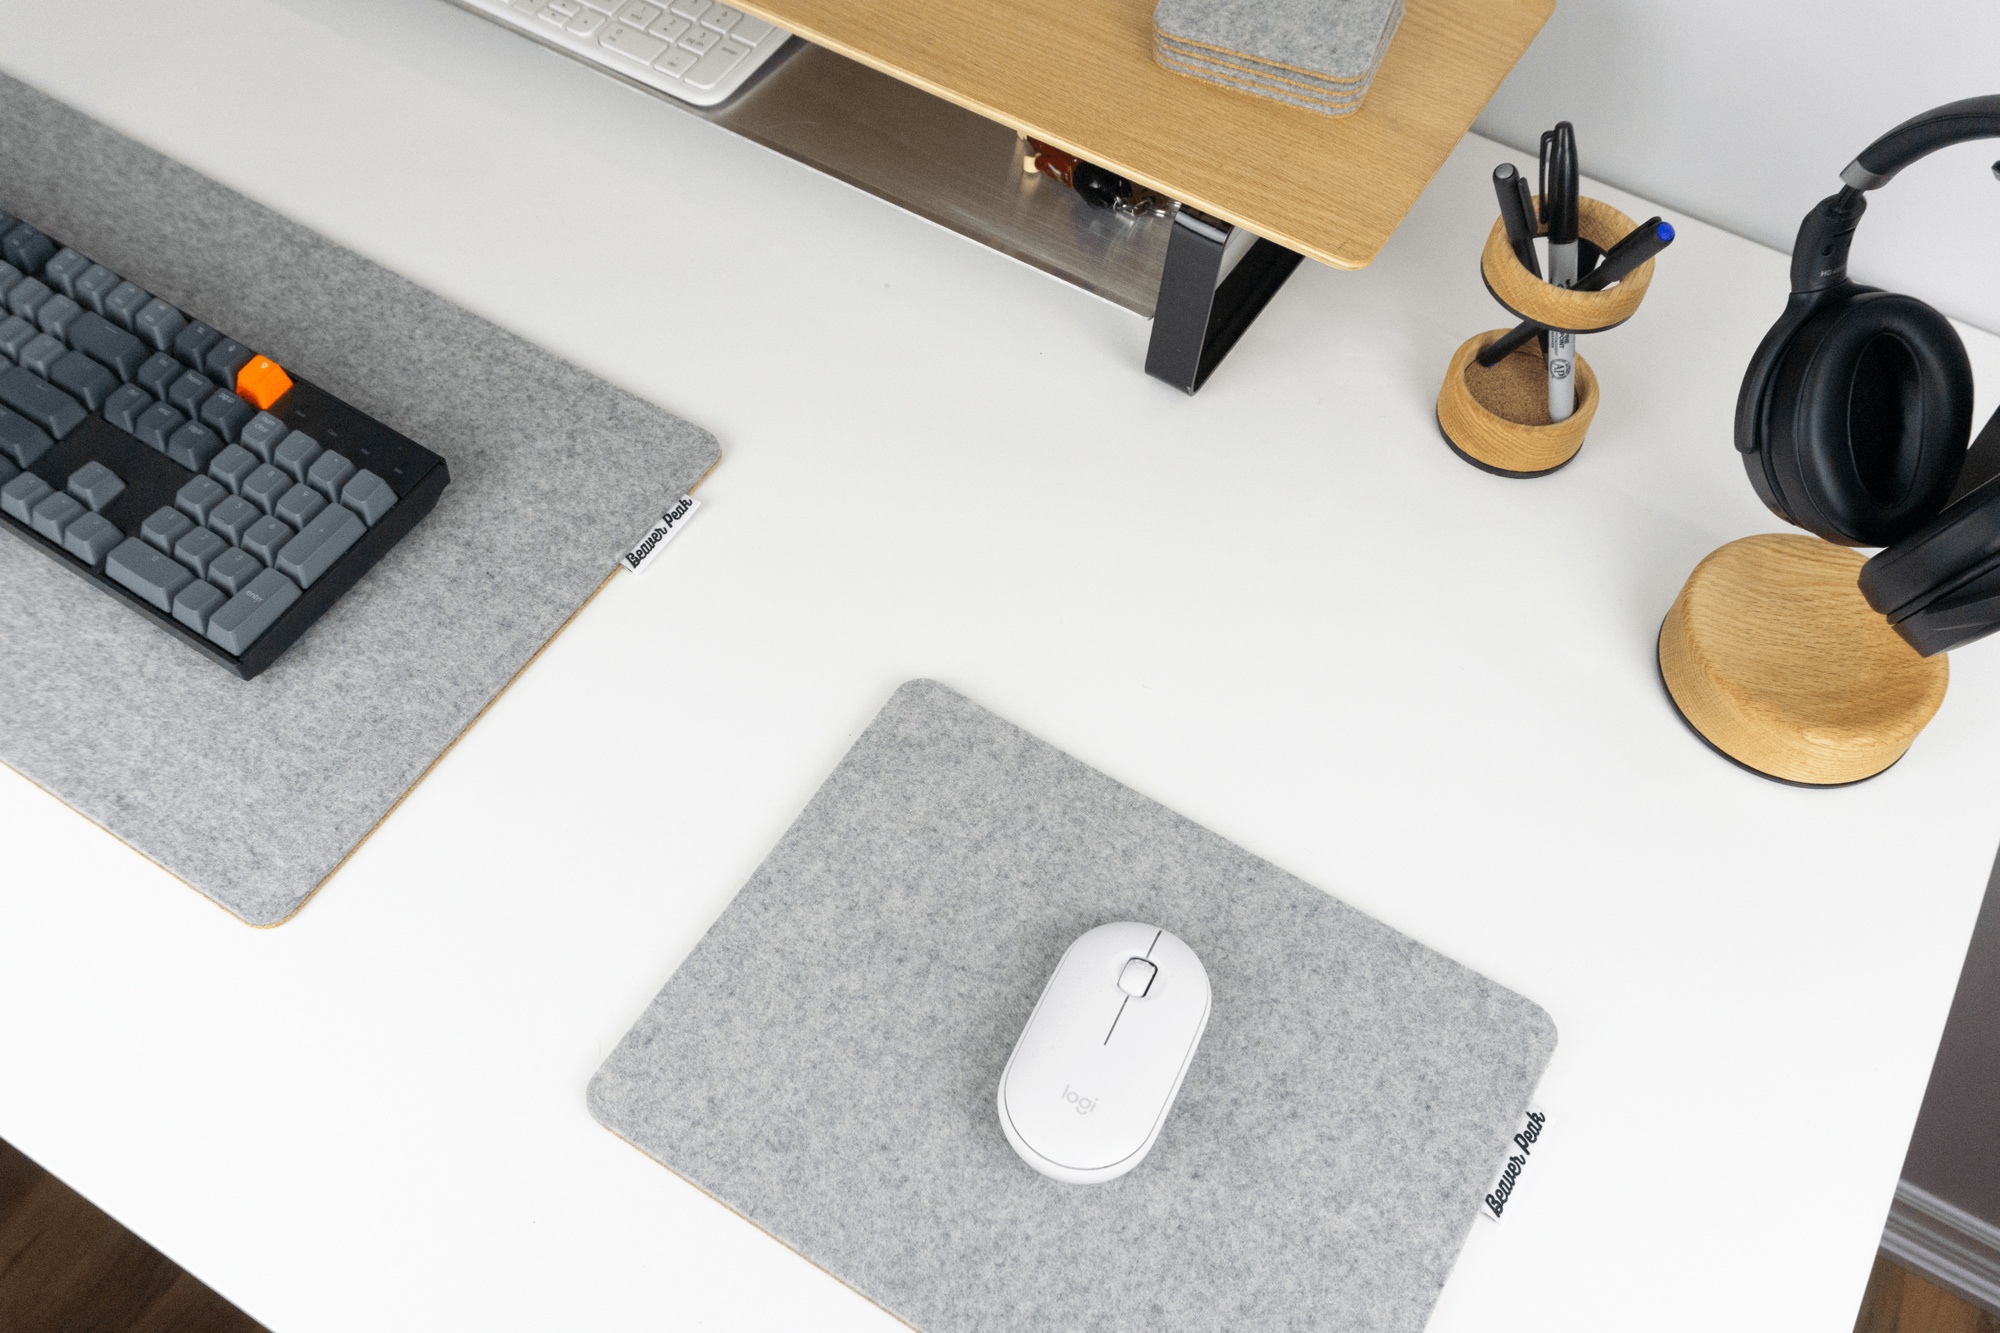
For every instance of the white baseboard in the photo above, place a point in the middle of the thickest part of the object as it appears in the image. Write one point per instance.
(1951, 1247)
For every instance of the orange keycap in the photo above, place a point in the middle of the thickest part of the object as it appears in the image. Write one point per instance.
(262, 382)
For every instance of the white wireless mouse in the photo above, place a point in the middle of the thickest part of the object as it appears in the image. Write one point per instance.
(1101, 1060)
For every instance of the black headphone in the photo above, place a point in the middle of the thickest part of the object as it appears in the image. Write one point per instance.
(1856, 412)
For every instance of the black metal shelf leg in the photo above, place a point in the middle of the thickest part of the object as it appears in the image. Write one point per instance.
(1197, 320)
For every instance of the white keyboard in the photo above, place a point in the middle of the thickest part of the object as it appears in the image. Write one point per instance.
(696, 50)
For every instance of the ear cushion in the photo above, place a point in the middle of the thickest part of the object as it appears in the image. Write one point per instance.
(1869, 414)
(1940, 586)
(1753, 399)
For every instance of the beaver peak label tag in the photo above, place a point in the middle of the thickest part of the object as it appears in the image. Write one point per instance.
(1493, 1204)
(665, 530)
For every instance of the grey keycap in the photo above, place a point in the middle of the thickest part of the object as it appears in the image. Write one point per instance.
(19, 497)
(194, 604)
(126, 300)
(233, 517)
(199, 497)
(7, 471)
(299, 505)
(163, 527)
(42, 353)
(158, 323)
(328, 473)
(233, 569)
(21, 440)
(79, 376)
(232, 465)
(158, 372)
(104, 342)
(191, 344)
(226, 414)
(153, 575)
(368, 495)
(157, 425)
(96, 485)
(9, 276)
(26, 297)
(96, 283)
(226, 358)
(296, 453)
(62, 272)
(189, 392)
(91, 538)
(263, 487)
(197, 548)
(323, 541)
(40, 402)
(250, 612)
(267, 536)
(26, 248)
(262, 435)
(193, 446)
(123, 407)
(55, 513)
(15, 335)
(57, 314)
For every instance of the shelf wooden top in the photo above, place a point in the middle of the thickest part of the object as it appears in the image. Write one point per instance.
(1080, 74)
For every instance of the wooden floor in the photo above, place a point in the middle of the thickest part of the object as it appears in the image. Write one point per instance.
(65, 1267)
(1898, 1301)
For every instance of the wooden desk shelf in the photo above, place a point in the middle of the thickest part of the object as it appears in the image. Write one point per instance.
(1081, 76)
(934, 137)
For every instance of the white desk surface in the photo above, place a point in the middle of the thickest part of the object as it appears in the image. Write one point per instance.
(1281, 607)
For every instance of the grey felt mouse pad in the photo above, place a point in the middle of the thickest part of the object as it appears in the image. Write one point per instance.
(826, 1061)
(255, 791)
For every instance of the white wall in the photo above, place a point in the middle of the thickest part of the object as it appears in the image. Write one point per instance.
(1743, 112)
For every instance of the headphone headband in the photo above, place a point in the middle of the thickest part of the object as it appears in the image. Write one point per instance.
(1920, 136)
(1819, 256)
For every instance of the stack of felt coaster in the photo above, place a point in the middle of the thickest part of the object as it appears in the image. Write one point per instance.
(1316, 54)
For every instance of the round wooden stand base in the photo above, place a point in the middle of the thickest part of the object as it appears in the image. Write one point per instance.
(1497, 419)
(1773, 657)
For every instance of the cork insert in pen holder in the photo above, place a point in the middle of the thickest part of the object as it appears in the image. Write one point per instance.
(1497, 418)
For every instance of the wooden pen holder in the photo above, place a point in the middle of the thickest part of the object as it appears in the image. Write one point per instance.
(1497, 418)
(1775, 659)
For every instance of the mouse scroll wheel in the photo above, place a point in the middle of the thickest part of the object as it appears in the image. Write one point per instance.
(1137, 978)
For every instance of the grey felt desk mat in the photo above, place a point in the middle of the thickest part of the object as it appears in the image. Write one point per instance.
(255, 791)
(826, 1060)
(1327, 39)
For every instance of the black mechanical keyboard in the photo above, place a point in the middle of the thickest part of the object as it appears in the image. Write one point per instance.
(226, 499)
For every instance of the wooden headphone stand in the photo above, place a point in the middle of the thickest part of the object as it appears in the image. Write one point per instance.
(1773, 657)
